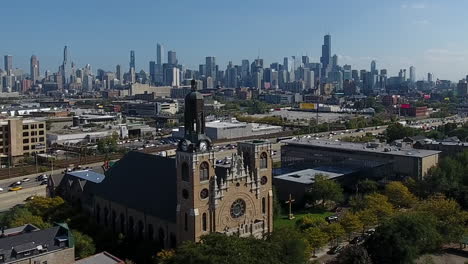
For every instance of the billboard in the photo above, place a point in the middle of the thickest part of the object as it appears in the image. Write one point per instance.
(307, 106)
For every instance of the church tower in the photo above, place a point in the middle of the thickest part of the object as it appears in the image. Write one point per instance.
(232, 195)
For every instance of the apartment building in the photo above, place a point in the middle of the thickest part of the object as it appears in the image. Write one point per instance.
(19, 137)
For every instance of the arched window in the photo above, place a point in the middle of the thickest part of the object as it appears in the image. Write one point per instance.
(185, 172)
(161, 236)
(204, 171)
(263, 161)
(263, 205)
(204, 222)
(106, 216)
(122, 223)
(140, 229)
(98, 214)
(130, 226)
(150, 232)
(114, 216)
(185, 222)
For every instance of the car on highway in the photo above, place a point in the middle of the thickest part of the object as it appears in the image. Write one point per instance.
(25, 180)
(1, 189)
(44, 182)
(14, 189)
(42, 177)
(15, 184)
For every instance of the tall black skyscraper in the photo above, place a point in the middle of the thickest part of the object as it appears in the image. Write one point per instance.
(326, 55)
(172, 57)
(8, 61)
(34, 69)
(132, 60)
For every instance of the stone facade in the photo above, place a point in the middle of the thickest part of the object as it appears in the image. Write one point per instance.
(234, 198)
(61, 256)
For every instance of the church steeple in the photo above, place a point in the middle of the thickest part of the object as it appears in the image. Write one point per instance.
(195, 138)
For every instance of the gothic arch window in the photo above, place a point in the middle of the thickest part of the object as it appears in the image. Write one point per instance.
(263, 205)
(150, 232)
(263, 161)
(185, 222)
(122, 223)
(185, 172)
(204, 171)
(114, 219)
(204, 225)
(98, 214)
(161, 236)
(106, 216)
(130, 225)
(140, 229)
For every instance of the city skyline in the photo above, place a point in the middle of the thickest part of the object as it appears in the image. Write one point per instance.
(400, 37)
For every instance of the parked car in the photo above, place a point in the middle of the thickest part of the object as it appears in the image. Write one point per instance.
(357, 240)
(335, 250)
(331, 218)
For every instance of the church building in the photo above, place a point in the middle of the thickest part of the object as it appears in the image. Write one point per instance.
(172, 200)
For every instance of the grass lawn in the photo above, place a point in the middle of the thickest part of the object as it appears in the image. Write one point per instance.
(283, 220)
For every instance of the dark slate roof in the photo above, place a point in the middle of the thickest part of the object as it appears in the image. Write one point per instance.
(143, 182)
(36, 240)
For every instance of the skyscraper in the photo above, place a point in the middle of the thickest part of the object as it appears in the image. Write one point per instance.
(430, 77)
(65, 73)
(132, 59)
(326, 55)
(172, 57)
(8, 59)
(373, 67)
(211, 67)
(118, 72)
(34, 69)
(334, 62)
(159, 54)
(412, 74)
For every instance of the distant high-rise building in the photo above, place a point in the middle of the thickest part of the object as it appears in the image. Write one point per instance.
(373, 67)
(287, 64)
(65, 71)
(334, 62)
(355, 75)
(326, 55)
(159, 54)
(153, 71)
(8, 61)
(119, 73)
(430, 77)
(412, 73)
(172, 57)
(132, 59)
(305, 61)
(34, 69)
(211, 67)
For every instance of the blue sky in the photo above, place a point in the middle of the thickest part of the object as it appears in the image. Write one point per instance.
(431, 35)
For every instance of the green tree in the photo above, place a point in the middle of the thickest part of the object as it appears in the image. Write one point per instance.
(308, 221)
(354, 255)
(84, 245)
(351, 223)
(19, 216)
(291, 245)
(324, 190)
(368, 218)
(451, 220)
(379, 205)
(403, 238)
(316, 238)
(399, 195)
(398, 131)
(367, 186)
(334, 231)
